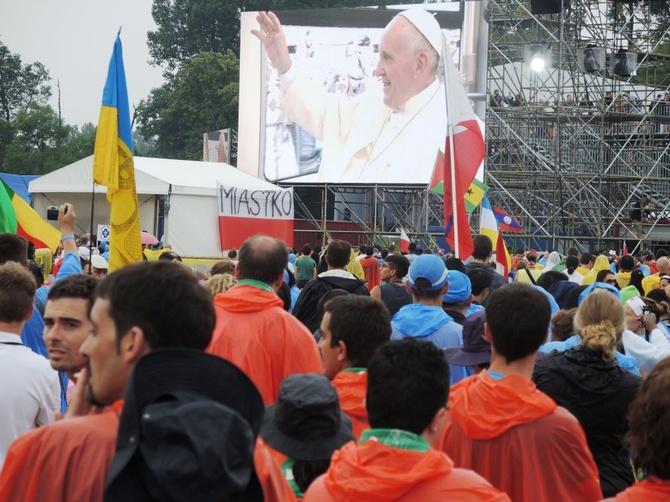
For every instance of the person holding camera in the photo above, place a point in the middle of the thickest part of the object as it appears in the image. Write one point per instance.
(642, 338)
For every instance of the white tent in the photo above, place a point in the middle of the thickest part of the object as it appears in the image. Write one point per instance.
(181, 193)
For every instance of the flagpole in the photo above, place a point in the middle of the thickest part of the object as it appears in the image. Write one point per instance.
(450, 135)
(90, 241)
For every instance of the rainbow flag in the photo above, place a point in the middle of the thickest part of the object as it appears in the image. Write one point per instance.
(113, 165)
(17, 217)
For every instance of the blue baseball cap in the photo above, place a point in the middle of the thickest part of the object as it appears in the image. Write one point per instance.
(431, 268)
(460, 288)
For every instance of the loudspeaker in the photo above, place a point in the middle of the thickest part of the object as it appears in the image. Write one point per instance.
(592, 59)
(623, 63)
(547, 6)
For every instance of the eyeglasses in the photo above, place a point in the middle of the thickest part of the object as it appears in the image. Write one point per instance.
(611, 281)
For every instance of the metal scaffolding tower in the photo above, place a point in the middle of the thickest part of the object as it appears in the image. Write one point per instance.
(571, 153)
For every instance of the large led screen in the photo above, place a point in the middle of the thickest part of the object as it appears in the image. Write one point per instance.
(337, 129)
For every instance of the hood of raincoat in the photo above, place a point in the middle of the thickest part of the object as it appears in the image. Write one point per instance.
(485, 408)
(354, 266)
(417, 320)
(601, 263)
(375, 472)
(244, 298)
(351, 388)
(367, 261)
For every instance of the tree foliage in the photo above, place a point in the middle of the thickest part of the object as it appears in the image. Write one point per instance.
(203, 97)
(38, 135)
(188, 27)
(20, 84)
(33, 137)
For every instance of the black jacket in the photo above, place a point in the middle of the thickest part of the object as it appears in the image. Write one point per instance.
(305, 307)
(498, 280)
(597, 393)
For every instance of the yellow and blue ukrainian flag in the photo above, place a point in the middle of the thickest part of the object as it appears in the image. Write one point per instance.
(113, 165)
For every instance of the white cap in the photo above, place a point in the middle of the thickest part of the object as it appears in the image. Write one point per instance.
(99, 262)
(612, 252)
(426, 23)
(636, 305)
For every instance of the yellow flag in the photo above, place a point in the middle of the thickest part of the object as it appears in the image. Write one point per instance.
(114, 168)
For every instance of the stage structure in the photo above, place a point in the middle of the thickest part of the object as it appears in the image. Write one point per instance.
(580, 152)
(367, 214)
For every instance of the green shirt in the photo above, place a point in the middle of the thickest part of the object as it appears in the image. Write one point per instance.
(305, 267)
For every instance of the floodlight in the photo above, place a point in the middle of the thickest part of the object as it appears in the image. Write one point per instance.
(538, 56)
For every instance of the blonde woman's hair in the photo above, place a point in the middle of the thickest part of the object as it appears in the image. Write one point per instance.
(219, 283)
(600, 321)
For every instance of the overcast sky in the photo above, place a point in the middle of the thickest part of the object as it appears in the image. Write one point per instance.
(74, 40)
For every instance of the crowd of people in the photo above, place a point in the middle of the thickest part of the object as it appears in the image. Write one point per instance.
(338, 373)
(314, 377)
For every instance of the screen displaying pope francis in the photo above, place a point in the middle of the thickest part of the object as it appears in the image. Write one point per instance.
(354, 97)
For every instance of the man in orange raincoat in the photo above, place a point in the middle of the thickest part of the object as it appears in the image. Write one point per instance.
(133, 314)
(353, 328)
(252, 330)
(505, 429)
(408, 386)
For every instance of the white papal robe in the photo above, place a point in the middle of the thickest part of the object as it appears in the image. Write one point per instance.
(365, 141)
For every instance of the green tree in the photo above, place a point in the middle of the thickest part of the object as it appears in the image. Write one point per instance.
(203, 97)
(78, 144)
(144, 146)
(20, 85)
(6, 137)
(188, 27)
(39, 136)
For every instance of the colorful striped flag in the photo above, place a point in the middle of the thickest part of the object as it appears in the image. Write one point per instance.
(17, 217)
(487, 224)
(507, 222)
(113, 165)
(473, 196)
(503, 262)
(464, 151)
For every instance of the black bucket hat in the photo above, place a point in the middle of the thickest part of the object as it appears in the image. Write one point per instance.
(187, 431)
(306, 422)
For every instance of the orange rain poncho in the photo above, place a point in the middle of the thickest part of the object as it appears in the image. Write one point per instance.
(374, 472)
(371, 267)
(275, 487)
(64, 461)
(651, 489)
(351, 387)
(517, 438)
(256, 334)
